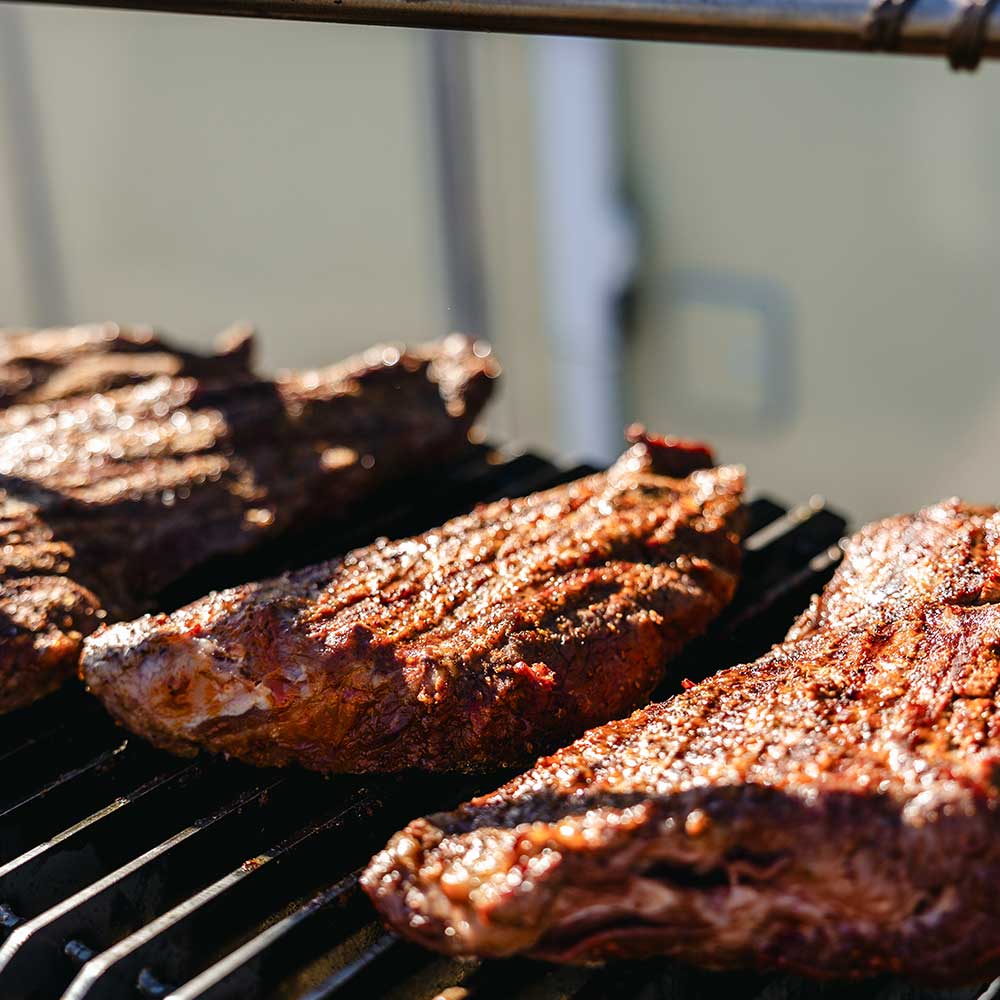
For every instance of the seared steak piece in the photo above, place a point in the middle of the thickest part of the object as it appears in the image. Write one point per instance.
(832, 809)
(42, 365)
(475, 645)
(948, 553)
(106, 499)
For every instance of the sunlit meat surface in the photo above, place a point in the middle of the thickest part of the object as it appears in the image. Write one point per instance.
(948, 553)
(106, 499)
(832, 808)
(38, 366)
(477, 644)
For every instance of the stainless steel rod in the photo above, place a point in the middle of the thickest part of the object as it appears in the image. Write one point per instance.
(811, 24)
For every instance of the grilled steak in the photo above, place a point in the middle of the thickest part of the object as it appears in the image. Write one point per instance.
(948, 553)
(832, 808)
(43, 365)
(477, 644)
(106, 499)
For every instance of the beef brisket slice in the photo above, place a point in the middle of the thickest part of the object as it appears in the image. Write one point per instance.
(106, 499)
(43, 365)
(948, 553)
(832, 808)
(477, 644)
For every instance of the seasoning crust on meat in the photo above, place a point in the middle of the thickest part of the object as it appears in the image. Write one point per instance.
(947, 553)
(474, 645)
(105, 499)
(38, 366)
(832, 808)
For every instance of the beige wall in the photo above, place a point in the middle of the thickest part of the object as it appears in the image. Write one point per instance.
(864, 194)
(202, 170)
(507, 168)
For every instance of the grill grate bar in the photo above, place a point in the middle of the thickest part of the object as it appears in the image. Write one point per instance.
(820, 565)
(794, 988)
(301, 933)
(54, 732)
(109, 782)
(385, 946)
(40, 765)
(241, 969)
(774, 530)
(98, 761)
(29, 955)
(58, 714)
(43, 864)
(131, 960)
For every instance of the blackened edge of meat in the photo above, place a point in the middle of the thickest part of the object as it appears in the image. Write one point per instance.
(669, 456)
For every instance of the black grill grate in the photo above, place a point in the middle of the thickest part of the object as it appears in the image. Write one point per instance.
(125, 873)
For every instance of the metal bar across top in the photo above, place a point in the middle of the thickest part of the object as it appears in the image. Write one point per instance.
(960, 28)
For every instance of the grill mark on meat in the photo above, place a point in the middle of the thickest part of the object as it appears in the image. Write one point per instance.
(449, 552)
(946, 553)
(44, 365)
(434, 611)
(832, 808)
(507, 629)
(107, 499)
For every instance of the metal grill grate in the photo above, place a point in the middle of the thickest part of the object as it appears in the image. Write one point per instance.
(126, 874)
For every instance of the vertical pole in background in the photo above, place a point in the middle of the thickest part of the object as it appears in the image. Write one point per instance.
(35, 235)
(453, 124)
(588, 246)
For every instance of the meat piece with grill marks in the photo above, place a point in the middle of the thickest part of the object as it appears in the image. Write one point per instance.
(832, 808)
(107, 499)
(948, 553)
(38, 366)
(474, 645)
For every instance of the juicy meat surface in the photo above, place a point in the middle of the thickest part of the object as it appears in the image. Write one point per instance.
(38, 366)
(947, 553)
(474, 645)
(106, 499)
(832, 808)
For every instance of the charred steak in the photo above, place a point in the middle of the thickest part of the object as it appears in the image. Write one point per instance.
(832, 808)
(948, 553)
(475, 645)
(38, 366)
(107, 499)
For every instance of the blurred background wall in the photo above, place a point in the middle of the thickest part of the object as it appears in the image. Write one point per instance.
(792, 254)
